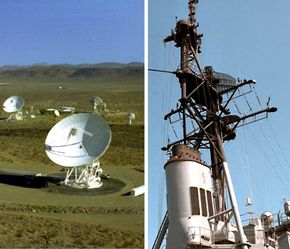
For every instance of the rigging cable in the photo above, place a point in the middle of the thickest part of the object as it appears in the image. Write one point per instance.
(269, 161)
(254, 90)
(246, 166)
(164, 132)
(166, 103)
(238, 110)
(273, 151)
(279, 145)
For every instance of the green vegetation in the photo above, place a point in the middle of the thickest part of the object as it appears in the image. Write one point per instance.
(55, 216)
(55, 233)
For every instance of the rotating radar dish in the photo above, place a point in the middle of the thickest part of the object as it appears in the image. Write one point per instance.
(226, 82)
(13, 104)
(78, 140)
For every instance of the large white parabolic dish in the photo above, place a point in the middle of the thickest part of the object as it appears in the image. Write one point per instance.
(78, 140)
(13, 104)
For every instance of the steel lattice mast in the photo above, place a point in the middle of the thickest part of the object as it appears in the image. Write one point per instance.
(202, 102)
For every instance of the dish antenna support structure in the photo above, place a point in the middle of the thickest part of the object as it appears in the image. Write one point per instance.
(99, 106)
(14, 105)
(131, 117)
(198, 215)
(76, 143)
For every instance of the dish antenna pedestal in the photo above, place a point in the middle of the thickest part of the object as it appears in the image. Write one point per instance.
(99, 106)
(15, 116)
(131, 117)
(14, 105)
(88, 176)
(76, 143)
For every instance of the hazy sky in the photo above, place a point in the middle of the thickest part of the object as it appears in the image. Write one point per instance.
(71, 31)
(246, 39)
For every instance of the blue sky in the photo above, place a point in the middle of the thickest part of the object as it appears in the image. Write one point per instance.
(246, 39)
(71, 31)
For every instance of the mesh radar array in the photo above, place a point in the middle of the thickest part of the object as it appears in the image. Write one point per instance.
(76, 143)
(14, 105)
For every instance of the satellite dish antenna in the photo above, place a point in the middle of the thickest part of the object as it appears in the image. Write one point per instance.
(131, 116)
(77, 142)
(14, 105)
(56, 113)
(99, 106)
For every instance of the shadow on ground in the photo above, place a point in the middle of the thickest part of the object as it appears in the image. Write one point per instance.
(52, 183)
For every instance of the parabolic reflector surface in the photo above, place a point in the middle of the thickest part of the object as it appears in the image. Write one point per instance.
(78, 139)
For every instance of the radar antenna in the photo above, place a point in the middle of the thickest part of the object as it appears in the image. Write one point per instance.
(205, 97)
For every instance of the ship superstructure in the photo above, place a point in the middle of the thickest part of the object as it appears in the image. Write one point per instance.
(199, 215)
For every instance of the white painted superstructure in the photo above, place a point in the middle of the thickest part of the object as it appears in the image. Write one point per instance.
(189, 201)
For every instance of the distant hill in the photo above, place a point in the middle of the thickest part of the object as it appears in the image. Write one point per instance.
(67, 71)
